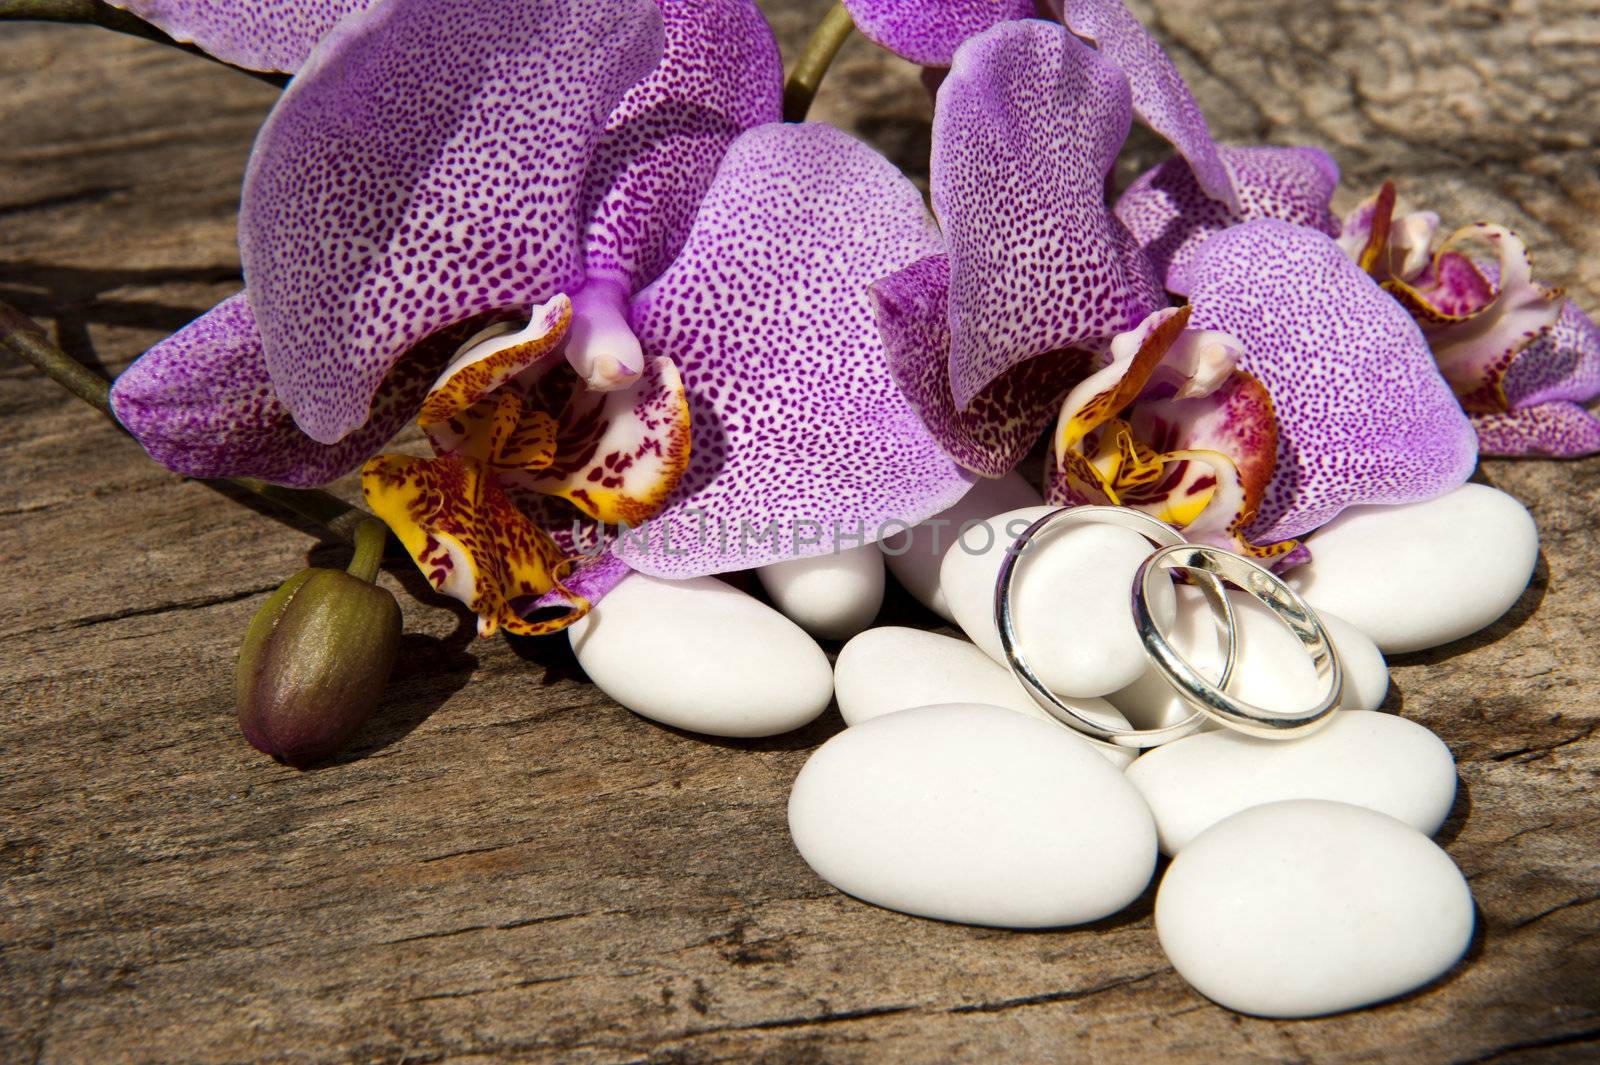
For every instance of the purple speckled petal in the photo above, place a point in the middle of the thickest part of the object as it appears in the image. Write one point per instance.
(590, 581)
(1363, 414)
(257, 34)
(1007, 417)
(1027, 127)
(426, 165)
(1559, 365)
(1171, 216)
(720, 76)
(796, 424)
(930, 31)
(1547, 386)
(202, 404)
(1160, 97)
(1563, 364)
(1557, 429)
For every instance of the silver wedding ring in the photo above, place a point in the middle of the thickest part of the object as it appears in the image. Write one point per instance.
(1163, 536)
(1203, 560)
(1212, 568)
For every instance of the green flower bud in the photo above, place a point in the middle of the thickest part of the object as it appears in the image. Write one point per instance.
(314, 663)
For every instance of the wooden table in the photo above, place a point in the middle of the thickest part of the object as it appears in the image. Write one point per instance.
(510, 866)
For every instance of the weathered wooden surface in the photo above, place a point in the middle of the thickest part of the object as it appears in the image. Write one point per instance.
(509, 866)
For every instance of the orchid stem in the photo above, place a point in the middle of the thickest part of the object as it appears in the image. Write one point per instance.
(808, 72)
(98, 13)
(371, 536)
(23, 337)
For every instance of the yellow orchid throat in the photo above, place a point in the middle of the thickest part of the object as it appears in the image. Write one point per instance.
(1171, 427)
(1133, 473)
(513, 430)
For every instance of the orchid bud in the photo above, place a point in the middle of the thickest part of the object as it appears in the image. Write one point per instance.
(314, 663)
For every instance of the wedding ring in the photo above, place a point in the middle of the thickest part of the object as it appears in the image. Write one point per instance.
(1203, 561)
(1163, 536)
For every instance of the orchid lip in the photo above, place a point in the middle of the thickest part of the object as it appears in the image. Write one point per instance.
(497, 337)
(1172, 427)
(601, 345)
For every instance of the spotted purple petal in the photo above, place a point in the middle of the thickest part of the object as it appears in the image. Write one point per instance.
(1557, 429)
(1005, 419)
(1171, 216)
(1363, 414)
(720, 76)
(202, 404)
(1026, 129)
(1160, 97)
(1546, 388)
(800, 437)
(257, 34)
(930, 31)
(1563, 364)
(591, 581)
(426, 165)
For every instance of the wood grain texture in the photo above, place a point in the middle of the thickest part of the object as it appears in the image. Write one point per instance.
(509, 866)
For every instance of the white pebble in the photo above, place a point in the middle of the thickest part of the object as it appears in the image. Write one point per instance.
(832, 596)
(1070, 600)
(888, 669)
(914, 556)
(1304, 908)
(1272, 669)
(701, 655)
(1379, 761)
(1423, 574)
(974, 814)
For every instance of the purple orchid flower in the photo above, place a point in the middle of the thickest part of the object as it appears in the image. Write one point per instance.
(1289, 388)
(930, 32)
(571, 240)
(1523, 360)
(1028, 124)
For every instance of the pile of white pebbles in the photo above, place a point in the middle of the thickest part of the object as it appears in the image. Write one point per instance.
(1303, 880)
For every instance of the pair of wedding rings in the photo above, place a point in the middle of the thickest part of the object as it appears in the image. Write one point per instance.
(1212, 568)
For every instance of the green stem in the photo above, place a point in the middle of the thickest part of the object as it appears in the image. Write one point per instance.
(97, 13)
(371, 537)
(22, 336)
(813, 64)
